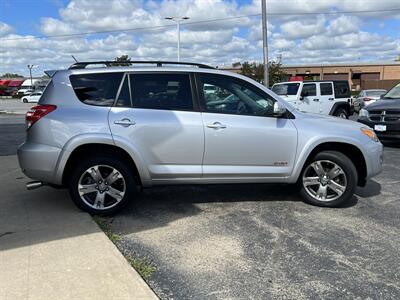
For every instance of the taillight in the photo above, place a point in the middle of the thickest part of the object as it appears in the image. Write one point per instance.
(36, 113)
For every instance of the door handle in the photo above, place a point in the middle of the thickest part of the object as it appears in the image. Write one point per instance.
(124, 122)
(216, 125)
(316, 99)
(331, 99)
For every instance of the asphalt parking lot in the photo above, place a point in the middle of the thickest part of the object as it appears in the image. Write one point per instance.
(261, 241)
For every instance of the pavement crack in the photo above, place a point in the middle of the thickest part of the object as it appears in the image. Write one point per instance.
(6, 233)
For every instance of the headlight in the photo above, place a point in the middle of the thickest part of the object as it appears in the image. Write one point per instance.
(369, 133)
(363, 113)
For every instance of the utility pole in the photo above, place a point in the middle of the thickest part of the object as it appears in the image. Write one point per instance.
(265, 41)
(178, 21)
(30, 72)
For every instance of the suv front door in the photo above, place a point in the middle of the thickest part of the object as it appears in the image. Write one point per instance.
(158, 119)
(243, 139)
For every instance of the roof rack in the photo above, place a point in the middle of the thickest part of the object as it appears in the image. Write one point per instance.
(83, 65)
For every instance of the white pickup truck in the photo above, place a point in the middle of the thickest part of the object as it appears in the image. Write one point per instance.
(321, 97)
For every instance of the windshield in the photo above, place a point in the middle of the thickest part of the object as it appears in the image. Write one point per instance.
(374, 93)
(394, 93)
(286, 88)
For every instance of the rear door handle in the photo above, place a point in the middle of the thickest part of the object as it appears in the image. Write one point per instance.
(331, 99)
(124, 122)
(216, 125)
(316, 99)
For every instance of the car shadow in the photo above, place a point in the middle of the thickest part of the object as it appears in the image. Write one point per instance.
(371, 189)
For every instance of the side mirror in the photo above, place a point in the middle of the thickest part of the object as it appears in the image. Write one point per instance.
(279, 109)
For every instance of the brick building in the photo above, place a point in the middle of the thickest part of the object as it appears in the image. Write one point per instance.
(359, 75)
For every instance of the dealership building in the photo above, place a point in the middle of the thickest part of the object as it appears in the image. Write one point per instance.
(359, 75)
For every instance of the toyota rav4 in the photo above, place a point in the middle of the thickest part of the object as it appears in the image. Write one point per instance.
(102, 132)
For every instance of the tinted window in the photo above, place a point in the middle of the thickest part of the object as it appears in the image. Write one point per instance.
(326, 89)
(286, 89)
(161, 91)
(96, 89)
(342, 89)
(309, 90)
(124, 97)
(223, 94)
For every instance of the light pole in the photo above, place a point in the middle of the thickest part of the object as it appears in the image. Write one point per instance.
(178, 21)
(265, 40)
(30, 72)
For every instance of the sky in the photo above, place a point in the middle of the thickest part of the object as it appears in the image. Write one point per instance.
(46, 33)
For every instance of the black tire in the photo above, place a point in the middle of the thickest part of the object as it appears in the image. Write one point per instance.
(24, 100)
(341, 113)
(103, 161)
(348, 169)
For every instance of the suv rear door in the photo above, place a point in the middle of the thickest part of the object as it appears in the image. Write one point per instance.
(242, 138)
(156, 114)
(326, 98)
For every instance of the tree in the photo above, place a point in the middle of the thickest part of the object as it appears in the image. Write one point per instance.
(124, 59)
(398, 58)
(11, 75)
(256, 71)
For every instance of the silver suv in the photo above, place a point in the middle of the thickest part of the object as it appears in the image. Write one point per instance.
(102, 132)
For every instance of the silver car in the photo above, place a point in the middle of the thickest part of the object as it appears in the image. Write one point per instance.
(102, 132)
(367, 97)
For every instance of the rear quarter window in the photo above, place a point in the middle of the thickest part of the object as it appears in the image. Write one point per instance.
(342, 89)
(99, 89)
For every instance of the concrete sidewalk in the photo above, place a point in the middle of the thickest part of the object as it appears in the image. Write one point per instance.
(51, 250)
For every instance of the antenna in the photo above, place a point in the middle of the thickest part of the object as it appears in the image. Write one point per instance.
(74, 58)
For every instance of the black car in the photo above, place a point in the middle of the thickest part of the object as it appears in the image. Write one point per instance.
(384, 115)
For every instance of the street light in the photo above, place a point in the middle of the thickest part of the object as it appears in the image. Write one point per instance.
(265, 40)
(30, 67)
(178, 21)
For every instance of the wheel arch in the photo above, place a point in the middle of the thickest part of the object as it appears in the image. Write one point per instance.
(351, 151)
(341, 104)
(96, 149)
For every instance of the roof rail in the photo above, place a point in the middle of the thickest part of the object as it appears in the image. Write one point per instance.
(83, 65)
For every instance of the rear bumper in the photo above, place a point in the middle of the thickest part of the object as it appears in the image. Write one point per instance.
(39, 161)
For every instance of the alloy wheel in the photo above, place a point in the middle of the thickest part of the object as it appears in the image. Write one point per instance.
(324, 180)
(101, 187)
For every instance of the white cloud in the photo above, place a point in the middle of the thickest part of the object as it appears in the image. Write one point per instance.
(304, 28)
(5, 29)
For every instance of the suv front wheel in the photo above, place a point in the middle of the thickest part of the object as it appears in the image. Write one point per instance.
(101, 185)
(329, 179)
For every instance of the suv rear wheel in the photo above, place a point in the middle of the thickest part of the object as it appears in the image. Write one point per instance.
(341, 113)
(101, 185)
(329, 179)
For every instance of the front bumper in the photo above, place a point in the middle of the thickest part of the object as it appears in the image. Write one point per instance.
(39, 161)
(392, 128)
(373, 152)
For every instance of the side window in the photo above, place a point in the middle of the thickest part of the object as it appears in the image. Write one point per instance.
(161, 91)
(342, 89)
(224, 94)
(98, 89)
(309, 89)
(326, 89)
(124, 97)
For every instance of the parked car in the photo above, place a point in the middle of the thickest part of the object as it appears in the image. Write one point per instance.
(3, 86)
(321, 97)
(102, 132)
(384, 115)
(13, 87)
(34, 97)
(367, 97)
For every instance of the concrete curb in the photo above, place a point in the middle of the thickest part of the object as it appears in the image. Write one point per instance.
(51, 250)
